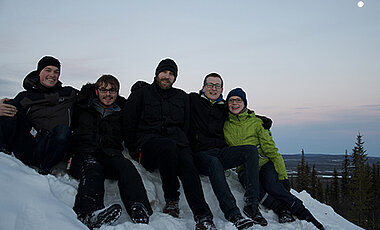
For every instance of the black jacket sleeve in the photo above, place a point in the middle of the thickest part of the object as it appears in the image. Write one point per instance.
(132, 113)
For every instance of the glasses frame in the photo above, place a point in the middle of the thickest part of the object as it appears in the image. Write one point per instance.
(236, 100)
(211, 86)
(104, 90)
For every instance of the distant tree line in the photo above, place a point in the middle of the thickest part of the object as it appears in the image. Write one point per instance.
(354, 194)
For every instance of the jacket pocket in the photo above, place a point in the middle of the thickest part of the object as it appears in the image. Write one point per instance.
(152, 111)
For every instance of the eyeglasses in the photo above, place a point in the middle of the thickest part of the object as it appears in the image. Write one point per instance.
(104, 90)
(237, 100)
(211, 85)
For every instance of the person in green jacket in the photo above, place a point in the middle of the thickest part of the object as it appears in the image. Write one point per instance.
(242, 127)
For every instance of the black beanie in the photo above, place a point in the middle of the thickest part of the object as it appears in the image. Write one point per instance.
(46, 61)
(238, 92)
(167, 64)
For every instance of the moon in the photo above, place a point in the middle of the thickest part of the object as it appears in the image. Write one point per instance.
(360, 4)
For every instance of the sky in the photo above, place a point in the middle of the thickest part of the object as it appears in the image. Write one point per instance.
(311, 66)
(48, 201)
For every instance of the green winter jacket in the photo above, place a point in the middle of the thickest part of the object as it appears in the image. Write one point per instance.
(247, 129)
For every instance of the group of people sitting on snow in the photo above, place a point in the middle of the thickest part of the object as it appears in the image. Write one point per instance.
(165, 129)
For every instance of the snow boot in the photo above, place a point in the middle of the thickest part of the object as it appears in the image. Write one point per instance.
(253, 212)
(305, 214)
(139, 214)
(205, 223)
(171, 208)
(240, 222)
(285, 216)
(105, 216)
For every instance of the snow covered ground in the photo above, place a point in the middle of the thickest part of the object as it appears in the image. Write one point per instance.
(31, 201)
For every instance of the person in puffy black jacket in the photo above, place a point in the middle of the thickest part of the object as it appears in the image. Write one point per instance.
(156, 122)
(97, 153)
(37, 131)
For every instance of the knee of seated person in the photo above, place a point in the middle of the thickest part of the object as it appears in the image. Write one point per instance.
(250, 151)
(214, 162)
(251, 148)
(168, 146)
(90, 165)
(61, 133)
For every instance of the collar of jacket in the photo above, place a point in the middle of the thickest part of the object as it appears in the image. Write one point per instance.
(104, 111)
(219, 101)
(245, 114)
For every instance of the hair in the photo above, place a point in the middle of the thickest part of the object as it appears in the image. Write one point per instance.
(212, 75)
(108, 79)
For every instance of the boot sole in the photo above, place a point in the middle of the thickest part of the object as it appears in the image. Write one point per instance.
(256, 222)
(110, 215)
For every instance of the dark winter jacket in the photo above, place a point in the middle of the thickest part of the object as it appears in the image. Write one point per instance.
(151, 112)
(45, 107)
(97, 129)
(206, 123)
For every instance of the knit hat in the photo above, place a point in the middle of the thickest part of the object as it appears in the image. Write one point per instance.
(46, 61)
(238, 92)
(167, 64)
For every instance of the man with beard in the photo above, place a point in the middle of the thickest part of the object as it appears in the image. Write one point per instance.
(34, 126)
(97, 155)
(156, 122)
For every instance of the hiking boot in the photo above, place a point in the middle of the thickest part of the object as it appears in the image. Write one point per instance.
(105, 216)
(240, 222)
(252, 211)
(285, 216)
(305, 214)
(205, 224)
(171, 208)
(139, 214)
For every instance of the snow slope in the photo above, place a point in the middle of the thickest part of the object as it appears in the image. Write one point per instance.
(31, 201)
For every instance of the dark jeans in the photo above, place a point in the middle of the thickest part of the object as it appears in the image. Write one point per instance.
(43, 149)
(92, 171)
(171, 161)
(272, 191)
(212, 163)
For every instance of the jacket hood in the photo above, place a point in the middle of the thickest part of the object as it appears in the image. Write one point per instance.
(32, 82)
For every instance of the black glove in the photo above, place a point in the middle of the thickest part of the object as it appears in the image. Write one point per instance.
(267, 122)
(286, 184)
(138, 85)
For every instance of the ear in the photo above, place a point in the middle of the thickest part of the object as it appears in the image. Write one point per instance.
(96, 92)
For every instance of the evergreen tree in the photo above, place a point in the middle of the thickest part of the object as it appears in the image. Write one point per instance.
(313, 182)
(360, 186)
(375, 215)
(344, 187)
(319, 194)
(335, 191)
(327, 194)
(303, 172)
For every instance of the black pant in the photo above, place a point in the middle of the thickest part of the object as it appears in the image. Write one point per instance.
(272, 191)
(213, 162)
(92, 171)
(171, 160)
(42, 149)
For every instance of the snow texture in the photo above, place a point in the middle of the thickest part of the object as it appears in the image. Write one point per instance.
(31, 201)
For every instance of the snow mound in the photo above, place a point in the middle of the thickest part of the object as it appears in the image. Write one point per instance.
(31, 201)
